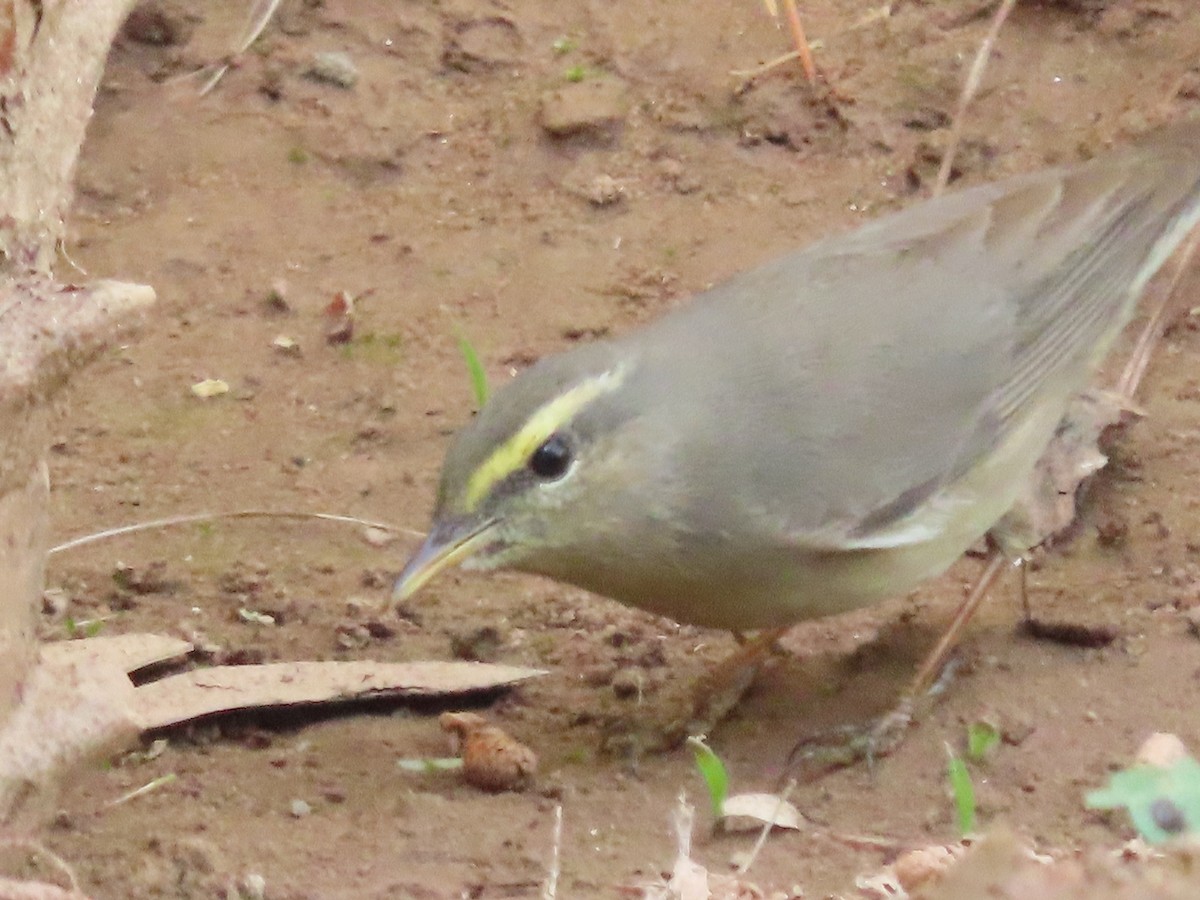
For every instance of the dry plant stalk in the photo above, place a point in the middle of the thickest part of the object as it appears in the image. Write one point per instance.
(970, 88)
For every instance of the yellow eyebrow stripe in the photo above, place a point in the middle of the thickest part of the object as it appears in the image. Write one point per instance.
(549, 418)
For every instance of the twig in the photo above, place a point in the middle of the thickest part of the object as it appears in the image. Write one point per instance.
(550, 891)
(210, 517)
(802, 51)
(877, 14)
(143, 790)
(866, 841)
(766, 829)
(974, 77)
(801, 41)
(210, 76)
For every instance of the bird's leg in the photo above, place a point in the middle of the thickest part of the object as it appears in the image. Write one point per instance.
(848, 746)
(722, 687)
(889, 729)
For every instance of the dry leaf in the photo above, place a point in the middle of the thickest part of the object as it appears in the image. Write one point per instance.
(1046, 507)
(190, 695)
(749, 812)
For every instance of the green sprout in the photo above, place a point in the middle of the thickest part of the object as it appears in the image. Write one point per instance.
(575, 74)
(563, 44)
(83, 628)
(962, 791)
(479, 382)
(982, 738)
(713, 771)
(298, 155)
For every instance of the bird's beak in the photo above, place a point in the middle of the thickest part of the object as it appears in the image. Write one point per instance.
(448, 543)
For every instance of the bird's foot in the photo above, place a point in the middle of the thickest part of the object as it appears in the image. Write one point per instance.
(843, 747)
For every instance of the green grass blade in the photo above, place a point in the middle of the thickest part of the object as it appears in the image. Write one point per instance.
(963, 793)
(712, 770)
(479, 382)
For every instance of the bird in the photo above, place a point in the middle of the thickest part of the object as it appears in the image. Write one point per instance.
(828, 429)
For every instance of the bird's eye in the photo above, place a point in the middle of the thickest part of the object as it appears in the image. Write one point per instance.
(551, 459)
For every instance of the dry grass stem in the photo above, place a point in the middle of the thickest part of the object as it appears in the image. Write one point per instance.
(970, 88)
(194, 518)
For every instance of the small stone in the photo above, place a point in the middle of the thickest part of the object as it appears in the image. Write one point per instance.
(252, 887)
(286, 345)
(210, 387)
(922, 866)
(676, 174)
(378, 537)
(604, 190)
(483, 45)
(1162, 750)
(299, 809)
(332, 67)
(593, 108)
(353, 636)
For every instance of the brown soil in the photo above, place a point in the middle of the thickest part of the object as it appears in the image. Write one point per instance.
(434, 191)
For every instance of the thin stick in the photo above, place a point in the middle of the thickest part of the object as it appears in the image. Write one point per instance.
(974, 77)
(260, 15)
(550, 892)
(143, 790)
(937, 657)
(766, 829)
(758, 71)
(806, 60)
(210, 517)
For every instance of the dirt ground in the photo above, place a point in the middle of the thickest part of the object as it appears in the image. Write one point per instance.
(530, 175)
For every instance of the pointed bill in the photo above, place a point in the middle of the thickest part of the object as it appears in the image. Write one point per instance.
(448, 543)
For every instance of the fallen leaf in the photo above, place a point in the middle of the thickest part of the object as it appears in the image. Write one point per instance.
(204, 692)
(749, 812)
(1047, 506)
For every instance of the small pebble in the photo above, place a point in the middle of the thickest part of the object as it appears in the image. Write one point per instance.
(335, 68)
(252, 887)
(594, 109)
(299, 809)
(1162, 750)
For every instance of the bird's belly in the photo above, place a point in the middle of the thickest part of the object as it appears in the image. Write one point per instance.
(751, 585)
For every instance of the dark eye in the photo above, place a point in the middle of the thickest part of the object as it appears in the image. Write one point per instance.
(551, 460)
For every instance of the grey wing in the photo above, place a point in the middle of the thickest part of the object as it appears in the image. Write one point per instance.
(918, 343)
